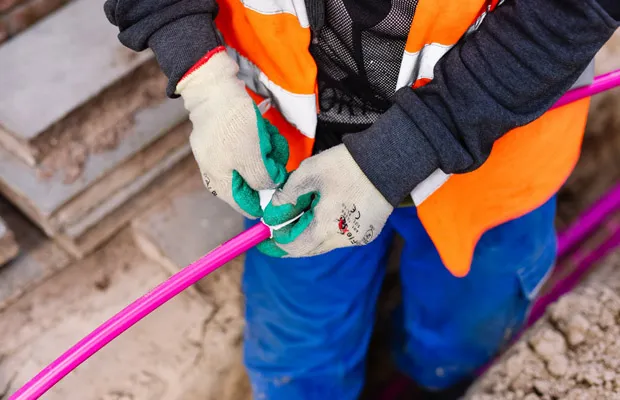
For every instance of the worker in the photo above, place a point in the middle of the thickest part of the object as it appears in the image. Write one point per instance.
(349, 109)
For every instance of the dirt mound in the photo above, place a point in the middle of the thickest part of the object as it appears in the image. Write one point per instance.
(573, 353)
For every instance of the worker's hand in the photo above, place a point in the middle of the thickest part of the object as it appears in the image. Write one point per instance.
(340, 207)
(237, 150)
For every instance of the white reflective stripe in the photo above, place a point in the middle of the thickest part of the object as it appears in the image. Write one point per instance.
(298, 109)
(420, 65)
(296, 8)
(586, 78)
(476, 25)
(428, 186)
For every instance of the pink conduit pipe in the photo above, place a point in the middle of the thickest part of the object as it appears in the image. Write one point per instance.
(570, 238)
(600, 84)
(180, 281)
(139, 309)
(588, 221)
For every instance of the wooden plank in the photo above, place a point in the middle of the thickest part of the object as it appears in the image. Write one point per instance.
(8, 246)
(116, 220)
(90, 206)
(38, 259)
(59, 64)
(40, 198)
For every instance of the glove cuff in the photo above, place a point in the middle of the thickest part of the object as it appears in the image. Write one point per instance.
(203, 60)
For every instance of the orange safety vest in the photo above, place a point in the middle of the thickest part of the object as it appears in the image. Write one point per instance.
(270, 40)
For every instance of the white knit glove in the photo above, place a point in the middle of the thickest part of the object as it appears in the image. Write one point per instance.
(237, 150)
(339, 207)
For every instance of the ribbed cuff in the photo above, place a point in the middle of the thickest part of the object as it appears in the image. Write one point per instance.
(394, 154)
(202, 61)
(180, 44)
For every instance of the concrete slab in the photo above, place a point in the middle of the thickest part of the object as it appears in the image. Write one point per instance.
(94, 237)
(162, 357)
(78, 63)
(99, 124)
(41, 197)
(39, 258)
(126, 181)
(189, 222)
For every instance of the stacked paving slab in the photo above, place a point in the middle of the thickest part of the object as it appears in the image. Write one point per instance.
(85, 127)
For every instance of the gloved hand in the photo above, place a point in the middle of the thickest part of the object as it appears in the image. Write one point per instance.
(340, 207)
(237, 150)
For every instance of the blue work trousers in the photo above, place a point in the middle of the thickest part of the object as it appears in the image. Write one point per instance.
(309, 320)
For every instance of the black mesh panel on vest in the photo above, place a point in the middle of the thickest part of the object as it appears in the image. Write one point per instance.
(358, 52)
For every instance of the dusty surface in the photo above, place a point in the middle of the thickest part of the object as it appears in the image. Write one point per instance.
(117, 217)
(190, 349)
(81, 55)
(98, 125)
(116, 183)
(182, 351)
(572, 353)
(39, 258)
(205, 222)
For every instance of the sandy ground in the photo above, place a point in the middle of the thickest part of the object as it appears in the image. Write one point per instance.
(188, 349)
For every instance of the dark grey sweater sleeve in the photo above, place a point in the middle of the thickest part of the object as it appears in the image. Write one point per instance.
(526, 54)
(179, 32)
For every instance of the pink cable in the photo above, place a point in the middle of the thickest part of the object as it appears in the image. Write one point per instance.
(585, 260)
(180, 281)
(600, 84)
(589, 221)
(139, 309)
